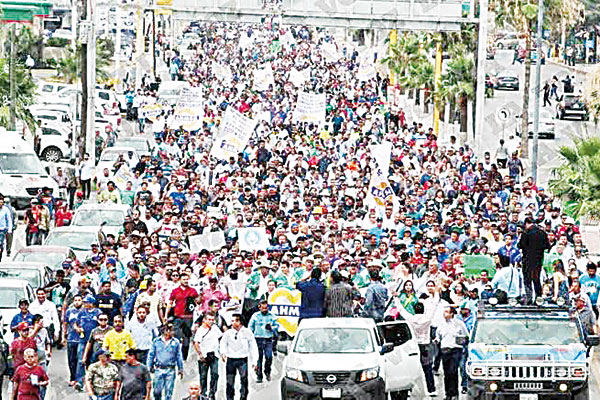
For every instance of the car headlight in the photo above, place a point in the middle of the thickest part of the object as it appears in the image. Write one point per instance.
(369, 374)
(294, 374)
(561, 372)
(578, 372)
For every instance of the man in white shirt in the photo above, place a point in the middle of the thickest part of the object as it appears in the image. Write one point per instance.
(206, 343)
(447, 334)
(237, 347)
(86, 174)
(46, 309)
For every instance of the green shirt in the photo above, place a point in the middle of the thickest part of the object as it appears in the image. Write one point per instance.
(127, 197)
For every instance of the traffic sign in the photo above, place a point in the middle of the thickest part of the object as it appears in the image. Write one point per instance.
(502, 114)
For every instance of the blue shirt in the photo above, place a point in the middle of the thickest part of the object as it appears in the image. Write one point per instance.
(258, 324)
(513, 254)
(313, 298)
(17, 319)
(590, 285)
(88, 320)
(70, 319)
(165, 354)
(6, 219)
(375, 301)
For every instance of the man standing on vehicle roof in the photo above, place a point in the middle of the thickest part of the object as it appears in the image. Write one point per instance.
(86, 174)
(533, 243)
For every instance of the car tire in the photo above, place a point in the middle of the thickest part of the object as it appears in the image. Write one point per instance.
(284, 395)
(583, 394)
(52, 154)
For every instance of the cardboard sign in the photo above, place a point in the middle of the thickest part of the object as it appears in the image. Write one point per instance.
(285, 305)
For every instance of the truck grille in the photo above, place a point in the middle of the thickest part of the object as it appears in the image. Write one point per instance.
(528, 386)
(527, 372)
(340, 377)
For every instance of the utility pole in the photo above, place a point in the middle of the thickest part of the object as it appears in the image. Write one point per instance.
(154, 43)
(480, 92)
(139, 45)
(12, 83)
(538, 74)
(90, 87)
(74, 22)
(84, 38)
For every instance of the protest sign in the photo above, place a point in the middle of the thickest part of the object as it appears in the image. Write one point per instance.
(263, 78)
(284, 304)
(121, 177)
(310, 107)
(252, 239)
(234, 133)
(298, 78)
(474, 264)
(210, 241)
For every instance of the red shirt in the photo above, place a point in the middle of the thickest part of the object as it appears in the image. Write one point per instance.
(18, 347)
(22, 378)
(180, 295)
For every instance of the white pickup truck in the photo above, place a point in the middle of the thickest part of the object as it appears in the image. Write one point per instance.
(342, 358)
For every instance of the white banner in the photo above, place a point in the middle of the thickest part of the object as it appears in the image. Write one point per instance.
(380, 192)
(263, 77)
(121, 177)
(234, 133)
(299, 78)
(189, 110)
(381, 154)
(252, 239)
(366, 71)
(222, 72)
(210, 241)
(330, 52)
(310, 107)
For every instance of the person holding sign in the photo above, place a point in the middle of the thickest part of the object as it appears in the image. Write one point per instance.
(29, 378)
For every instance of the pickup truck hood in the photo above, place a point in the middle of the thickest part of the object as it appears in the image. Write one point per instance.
(570, 352)
(333, 362)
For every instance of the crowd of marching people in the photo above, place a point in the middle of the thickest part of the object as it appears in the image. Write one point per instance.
(143, 302)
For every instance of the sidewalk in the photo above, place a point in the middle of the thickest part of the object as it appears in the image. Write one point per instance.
(579, 68)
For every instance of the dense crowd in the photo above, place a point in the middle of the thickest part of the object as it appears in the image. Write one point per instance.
(138, 303)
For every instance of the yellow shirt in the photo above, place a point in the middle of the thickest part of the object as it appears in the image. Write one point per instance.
(118, 343)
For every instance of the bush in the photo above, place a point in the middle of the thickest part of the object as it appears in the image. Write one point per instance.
(57, 42)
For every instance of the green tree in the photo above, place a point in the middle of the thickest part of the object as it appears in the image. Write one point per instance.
(577, 179)
(25, 94)
(457, 82)
(591, 94)
(70, 64)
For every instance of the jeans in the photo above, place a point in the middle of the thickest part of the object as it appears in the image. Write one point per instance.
(80, 363)
(72, 360)
(164, 380)
(2, 239)
(233, 366)
(9, 242)
(450, 362)
(183, 330)
(464, 378)
(32, 238)
(214, 377)
(537, 286)
(265, 349)
(109, 396)
(86, 188)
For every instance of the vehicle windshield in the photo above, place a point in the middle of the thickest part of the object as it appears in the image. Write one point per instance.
(138, 145)
(9, 297)
(526, 331)
(11, 163)
(113, 155)
(52, 259)
(334, 340)
(30, 275)
(96, 217)
(81, 241)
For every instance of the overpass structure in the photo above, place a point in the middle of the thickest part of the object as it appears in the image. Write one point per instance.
(417, 15)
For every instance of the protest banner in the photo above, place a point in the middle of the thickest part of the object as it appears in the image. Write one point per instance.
(381, 153)
(252, 239)
(310, 107)
(284, 304)
(121, 177)
(298, 78)
(210, 241)
(222, 72)
(330, 52)
(234, 133)
(474, 264)
(263, 78)
(151, 111)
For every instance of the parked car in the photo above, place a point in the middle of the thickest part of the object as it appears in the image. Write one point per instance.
(110, 216)
(38, 274)
(342, 357)
(11, 292)
(547, 126)
(572, 105)
(508, 41)
(110, 155)
(507, 80)
(55, 141)
(141, 144)
(78, 238)
(54, 256)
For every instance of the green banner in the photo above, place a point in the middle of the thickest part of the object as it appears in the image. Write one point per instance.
(548, 260)
(275, 46)
(475, 264)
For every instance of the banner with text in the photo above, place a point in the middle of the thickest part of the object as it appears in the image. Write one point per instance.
(210, 241)
(310, 107)
(252, 239)
(234, 133)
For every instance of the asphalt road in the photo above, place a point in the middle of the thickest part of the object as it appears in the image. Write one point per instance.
(566, 130)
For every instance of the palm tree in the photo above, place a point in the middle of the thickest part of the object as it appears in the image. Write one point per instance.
(70, 64)
(25, 94)
(578, 178)
(458, 83)
(591, 94)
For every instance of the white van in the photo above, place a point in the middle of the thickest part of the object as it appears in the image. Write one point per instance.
(22, 175)
(356, 358)
(48, 90)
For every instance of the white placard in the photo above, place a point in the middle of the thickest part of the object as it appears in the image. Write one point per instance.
(234, 133)
(252, 239)
(263, 78)
(310, 107)
(210, 241)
